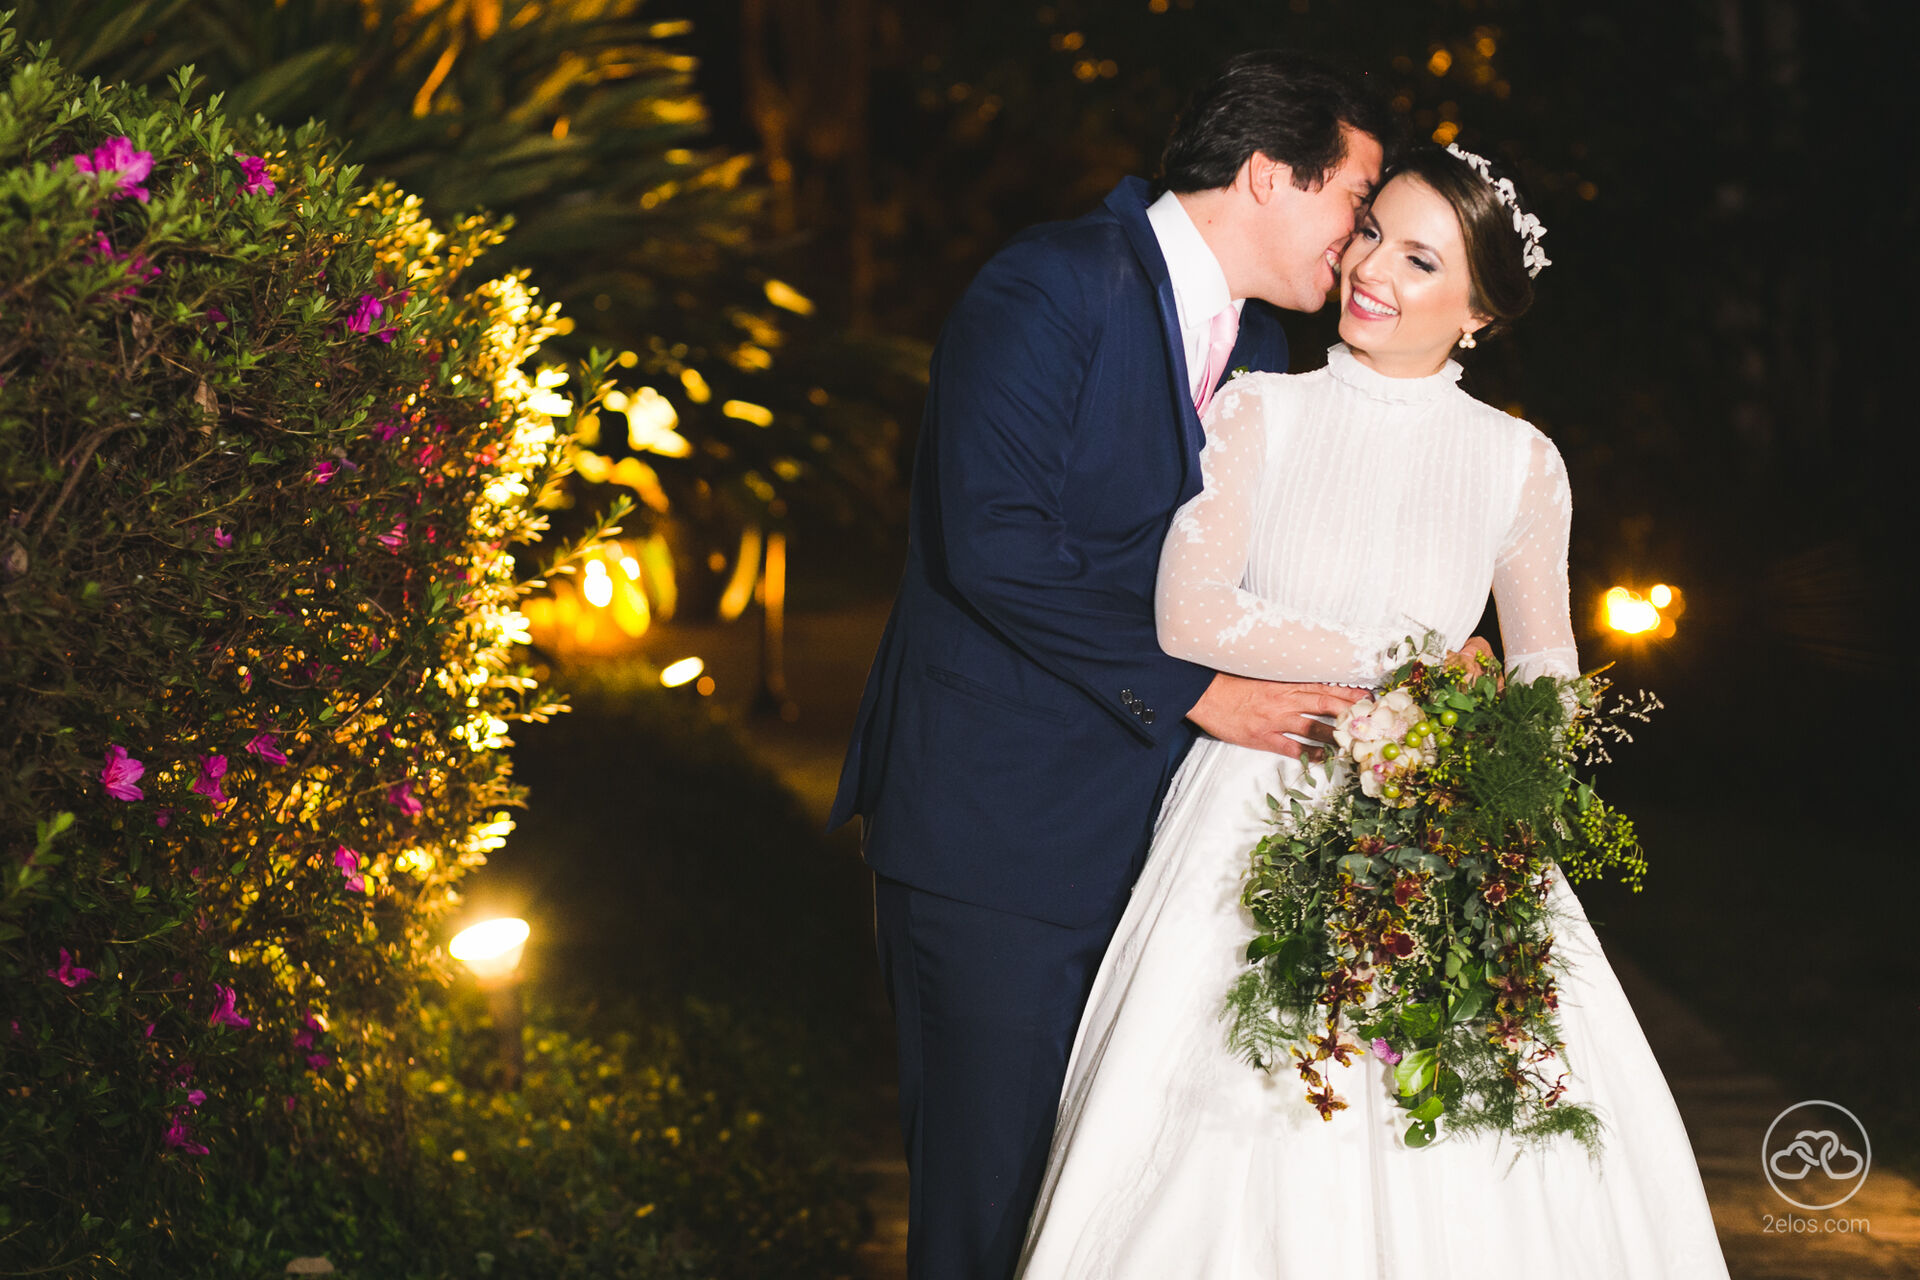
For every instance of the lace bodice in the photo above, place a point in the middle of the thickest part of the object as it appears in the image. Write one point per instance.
(1344, 510)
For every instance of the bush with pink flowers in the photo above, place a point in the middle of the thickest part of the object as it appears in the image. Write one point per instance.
(266, 450)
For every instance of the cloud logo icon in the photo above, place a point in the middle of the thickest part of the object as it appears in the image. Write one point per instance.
(1825, 1138)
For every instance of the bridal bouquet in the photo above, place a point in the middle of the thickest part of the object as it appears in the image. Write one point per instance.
(1405, 911)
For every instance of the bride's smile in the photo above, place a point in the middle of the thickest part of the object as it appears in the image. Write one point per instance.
(1405, 286)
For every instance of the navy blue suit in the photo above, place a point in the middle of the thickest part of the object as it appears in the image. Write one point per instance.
(1021, 722)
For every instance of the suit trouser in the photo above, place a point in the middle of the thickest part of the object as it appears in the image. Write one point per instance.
(985, 1008)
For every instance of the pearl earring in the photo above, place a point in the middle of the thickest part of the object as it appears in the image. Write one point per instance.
(1467, 343)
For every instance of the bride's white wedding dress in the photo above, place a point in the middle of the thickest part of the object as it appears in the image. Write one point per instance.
(1344, 510)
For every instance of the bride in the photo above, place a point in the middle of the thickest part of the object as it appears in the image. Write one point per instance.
(1344, 510)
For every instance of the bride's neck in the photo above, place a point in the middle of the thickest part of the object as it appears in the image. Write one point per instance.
(1403, 364)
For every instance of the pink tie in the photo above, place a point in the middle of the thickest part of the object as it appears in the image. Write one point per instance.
(1220, 335)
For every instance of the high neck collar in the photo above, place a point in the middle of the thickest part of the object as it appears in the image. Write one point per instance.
(1346, 366)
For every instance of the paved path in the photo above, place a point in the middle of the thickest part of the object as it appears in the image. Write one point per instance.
(1726, 1104)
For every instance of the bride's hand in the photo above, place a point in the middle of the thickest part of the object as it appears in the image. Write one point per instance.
(1478, 655)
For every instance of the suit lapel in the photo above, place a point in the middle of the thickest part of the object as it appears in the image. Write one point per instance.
(1128, 201)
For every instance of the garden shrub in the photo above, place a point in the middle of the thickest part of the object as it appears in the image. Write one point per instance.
(265, 453)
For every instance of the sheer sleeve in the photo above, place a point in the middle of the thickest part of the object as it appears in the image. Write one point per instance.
(1530, 585)
(1204, 613)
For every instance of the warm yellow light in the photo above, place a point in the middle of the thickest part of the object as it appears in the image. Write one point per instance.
(785, 296)
(1661, 596)
(747, 411)
(1440, 62)
(681, 672)
(695, 386)
(630, 567)
(746, 572)
(1628, 613)
(492, 948)
(651, 419)
(598, 587)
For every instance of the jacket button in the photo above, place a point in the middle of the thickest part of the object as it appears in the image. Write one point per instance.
(1147, 715)
(1126, 696)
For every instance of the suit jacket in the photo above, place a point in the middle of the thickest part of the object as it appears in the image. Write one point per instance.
(1020, 722)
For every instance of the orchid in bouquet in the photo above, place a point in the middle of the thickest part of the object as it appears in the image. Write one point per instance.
(1404, 906)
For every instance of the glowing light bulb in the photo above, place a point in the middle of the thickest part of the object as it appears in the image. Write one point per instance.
(492, 948)
(681, 672)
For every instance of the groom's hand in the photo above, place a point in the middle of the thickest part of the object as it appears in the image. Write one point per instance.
(1261, 713)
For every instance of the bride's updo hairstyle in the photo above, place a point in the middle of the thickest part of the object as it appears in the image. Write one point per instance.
(1496, 254)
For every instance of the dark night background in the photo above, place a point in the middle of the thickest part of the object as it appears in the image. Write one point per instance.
(1722, 351)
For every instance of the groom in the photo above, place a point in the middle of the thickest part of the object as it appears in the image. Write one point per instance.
(1020, 723)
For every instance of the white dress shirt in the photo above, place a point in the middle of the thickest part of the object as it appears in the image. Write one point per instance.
(1199, 285)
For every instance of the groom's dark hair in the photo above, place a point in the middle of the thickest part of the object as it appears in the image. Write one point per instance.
(1286, 105)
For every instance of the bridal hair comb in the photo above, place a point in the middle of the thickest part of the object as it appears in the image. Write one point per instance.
(1529, 226)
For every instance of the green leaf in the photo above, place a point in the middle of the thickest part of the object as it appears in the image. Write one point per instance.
(1414, 1072)
(1430, 1109)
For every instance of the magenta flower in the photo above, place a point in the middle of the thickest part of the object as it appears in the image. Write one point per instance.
(323, 471)
(402, 798)
(257, 178)
(196, 1096)
(218, 316)
(137, 265)
(179, 1136)
(303, 1039)
(69, 974)
(393, 540)
(120, 773)
(384, 430)
(364, 313)
(1385, 1052)
(221, 538)
(319, 1061)
(212, 769)
(349, 864)
(226, 1013)
(266, 746)
(116, 159)
(150, 1027)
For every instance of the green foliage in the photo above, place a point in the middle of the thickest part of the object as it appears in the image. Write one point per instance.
(1410, 903)
(578, 122)
(259, 538)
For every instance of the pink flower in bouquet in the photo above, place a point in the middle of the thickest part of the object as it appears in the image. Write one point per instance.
(212, 769)
(218, 317)
(196, 1096)
(69, 974)
(221, 538)
(255, 175)
(323, 470)
(348, 862)
(364, 313)
(267, 747)
(1384, 1052)
(162, 816)
(384, 430)
(394, 539)
(116, 159)
(120, 773)
(402, 798)
(225, 1012)
(319, 1061)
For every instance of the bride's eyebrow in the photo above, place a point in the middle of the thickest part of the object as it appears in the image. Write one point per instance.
(1424, 248)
